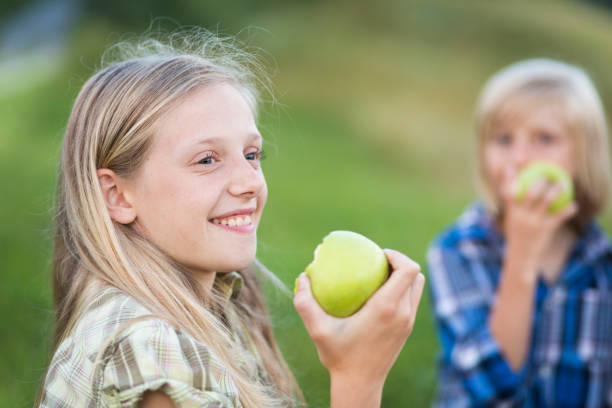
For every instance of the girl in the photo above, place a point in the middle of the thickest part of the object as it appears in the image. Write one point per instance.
(522, 298)
(159, 197)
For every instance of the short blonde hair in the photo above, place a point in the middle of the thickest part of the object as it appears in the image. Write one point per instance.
(532, 82)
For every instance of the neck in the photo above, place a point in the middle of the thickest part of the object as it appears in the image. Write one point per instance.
(204, 278)
(556, 253)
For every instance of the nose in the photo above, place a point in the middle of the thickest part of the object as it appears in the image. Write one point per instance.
(521, 153)
(245, 179)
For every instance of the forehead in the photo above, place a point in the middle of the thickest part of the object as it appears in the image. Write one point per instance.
(535, 109)
(218, 112)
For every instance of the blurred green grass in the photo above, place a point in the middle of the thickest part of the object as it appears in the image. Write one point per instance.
(372, 133)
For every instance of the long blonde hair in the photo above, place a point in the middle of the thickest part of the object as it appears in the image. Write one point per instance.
(111, 127)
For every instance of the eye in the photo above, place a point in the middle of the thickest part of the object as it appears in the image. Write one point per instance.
(503, 139)
(255, 155)
(210, 158)
(545, 138)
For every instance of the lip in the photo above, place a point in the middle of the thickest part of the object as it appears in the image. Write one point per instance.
(245, 211)
(243, 229)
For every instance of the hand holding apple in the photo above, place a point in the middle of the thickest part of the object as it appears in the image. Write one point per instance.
(550, 172)
(359, 350)
(538, 202)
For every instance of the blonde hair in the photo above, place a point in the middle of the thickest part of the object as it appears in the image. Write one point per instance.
(111, 127)
(568, 87)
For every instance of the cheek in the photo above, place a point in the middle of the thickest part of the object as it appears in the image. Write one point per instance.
(567, 159)
(263, 196)
(493, 166)
(493, 163)
(172, 208)
(563, 154)
(159, 215)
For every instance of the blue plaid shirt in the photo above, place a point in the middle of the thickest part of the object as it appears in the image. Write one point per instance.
(570, 357)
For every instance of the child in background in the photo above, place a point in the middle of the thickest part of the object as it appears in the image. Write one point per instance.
(523, 298)
(159, 197)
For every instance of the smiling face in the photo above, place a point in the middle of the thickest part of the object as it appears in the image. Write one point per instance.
(200, 192)
(525, 132)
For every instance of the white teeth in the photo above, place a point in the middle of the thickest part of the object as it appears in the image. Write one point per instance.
(234, 222)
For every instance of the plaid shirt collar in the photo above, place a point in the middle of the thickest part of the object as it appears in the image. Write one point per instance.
(592, 246)
(229, 284)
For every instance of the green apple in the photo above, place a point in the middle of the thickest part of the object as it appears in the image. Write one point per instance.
(548, 171)
(347, 269)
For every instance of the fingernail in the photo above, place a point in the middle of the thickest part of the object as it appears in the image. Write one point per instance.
(298, 283)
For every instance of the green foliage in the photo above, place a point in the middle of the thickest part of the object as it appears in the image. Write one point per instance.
(372, 133)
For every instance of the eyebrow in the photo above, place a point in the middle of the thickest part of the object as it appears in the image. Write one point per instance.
(214, 139)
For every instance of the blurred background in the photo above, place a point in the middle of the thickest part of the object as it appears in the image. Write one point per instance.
(372, 132)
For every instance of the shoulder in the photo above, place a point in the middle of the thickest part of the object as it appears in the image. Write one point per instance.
(150, 350)
(126, 336)
(110, 309)
(103, 316)
(118, 350)
(463, 263)
(595, 250)
(151, 354)
(474, 229)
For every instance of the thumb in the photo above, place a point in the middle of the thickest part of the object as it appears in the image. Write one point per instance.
(568, 212)
(306, 305)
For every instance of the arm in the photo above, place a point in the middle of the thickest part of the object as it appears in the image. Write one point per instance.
(483, 345)
(353, 392)
(511, 318)
(359, 350)
(529, 229)
(156, 399)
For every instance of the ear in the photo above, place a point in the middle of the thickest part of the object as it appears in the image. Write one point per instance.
(116, 198)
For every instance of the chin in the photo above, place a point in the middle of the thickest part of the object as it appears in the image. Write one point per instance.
(231, 267)
(228, 257)
(236, 263)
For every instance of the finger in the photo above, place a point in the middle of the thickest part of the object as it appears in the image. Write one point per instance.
(417, 292)
(404, 271)
(548, 197)
(412, 297)
(567, 213)
(307, 306)
(536, 193)
(397, 260)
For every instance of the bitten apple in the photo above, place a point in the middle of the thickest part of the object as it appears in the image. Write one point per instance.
(347, 269)
(551, 172)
